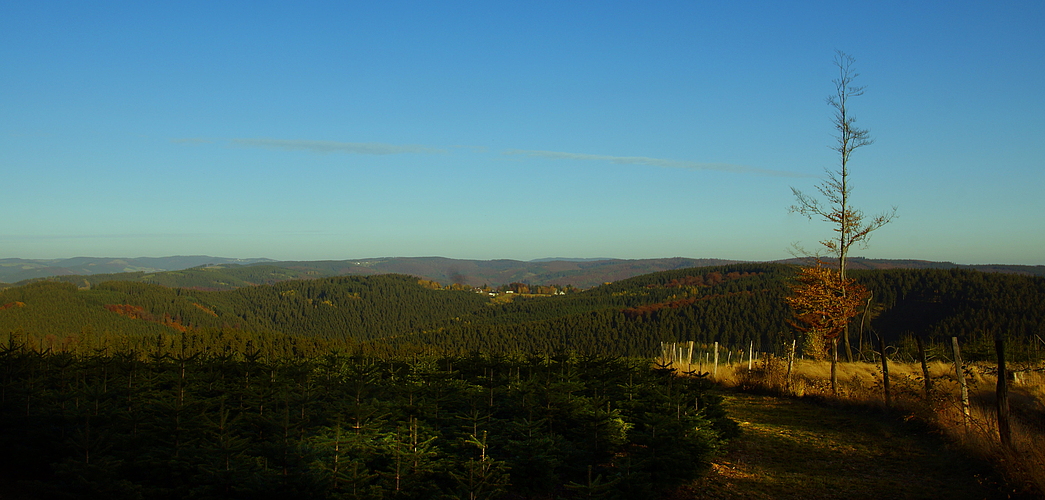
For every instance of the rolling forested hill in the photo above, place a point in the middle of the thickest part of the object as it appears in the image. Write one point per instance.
(736, 305)
(343, 310)
(742, 304)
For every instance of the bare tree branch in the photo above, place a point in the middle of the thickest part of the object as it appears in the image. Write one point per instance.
(849, 223)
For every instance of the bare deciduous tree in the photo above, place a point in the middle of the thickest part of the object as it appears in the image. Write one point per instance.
(849, 223)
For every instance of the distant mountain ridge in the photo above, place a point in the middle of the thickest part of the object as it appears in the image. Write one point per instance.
(219, 273)
(15, 270)
(583, 274)
(865, 263)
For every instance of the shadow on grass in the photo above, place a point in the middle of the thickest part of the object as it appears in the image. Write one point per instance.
(797, 449)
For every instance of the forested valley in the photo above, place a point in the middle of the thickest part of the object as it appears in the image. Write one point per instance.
(391, 386)
(736, 305)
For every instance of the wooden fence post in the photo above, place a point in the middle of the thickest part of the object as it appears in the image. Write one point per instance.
(790, 365)
(716, 359)
(925, 368)
(750, 353)
(959, 372)
(885, 371)
(1003, 393)
(834, 366)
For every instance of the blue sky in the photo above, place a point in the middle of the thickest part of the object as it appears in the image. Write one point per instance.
(486, 130)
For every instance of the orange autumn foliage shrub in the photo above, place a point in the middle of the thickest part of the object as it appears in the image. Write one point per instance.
(824, 303)
(206, 309)
(133, 312)
(139, 312)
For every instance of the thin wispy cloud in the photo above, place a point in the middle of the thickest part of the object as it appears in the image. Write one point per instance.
(655, 162)
(363, 148)
(474, 149)
(191, 140)
(100, 236)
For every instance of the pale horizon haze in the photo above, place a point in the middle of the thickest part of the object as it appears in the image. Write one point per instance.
(496, 130)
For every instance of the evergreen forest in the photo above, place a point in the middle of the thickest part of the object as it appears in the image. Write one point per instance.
(391, 386)
(340, 426)
(737, 305)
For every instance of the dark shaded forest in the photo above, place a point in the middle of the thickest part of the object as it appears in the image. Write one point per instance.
(338, 426)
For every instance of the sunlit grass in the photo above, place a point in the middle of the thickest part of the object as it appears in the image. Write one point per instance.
(802, 450)
(861, 385)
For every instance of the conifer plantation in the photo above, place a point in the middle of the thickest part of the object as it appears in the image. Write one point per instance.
(160, 425)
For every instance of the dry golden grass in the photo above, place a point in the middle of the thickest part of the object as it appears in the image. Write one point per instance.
(792, 448)
(860, 383)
